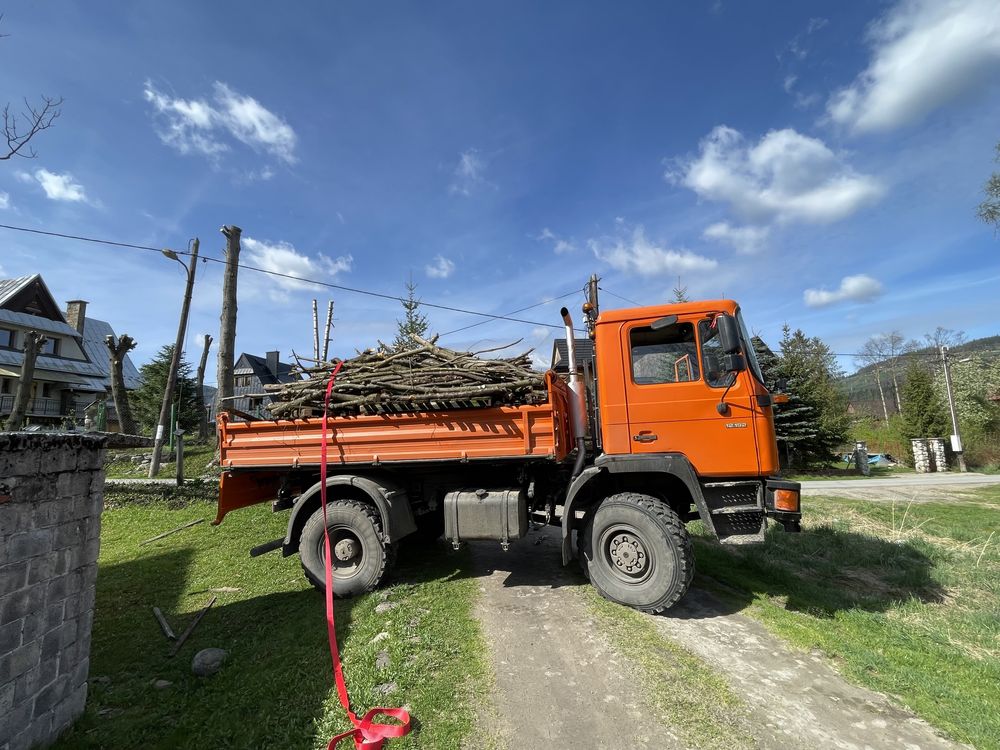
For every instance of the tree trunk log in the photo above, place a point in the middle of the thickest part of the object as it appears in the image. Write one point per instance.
(32, 343)
(117, 352)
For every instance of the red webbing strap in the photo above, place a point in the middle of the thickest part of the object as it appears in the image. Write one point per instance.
(366, 733)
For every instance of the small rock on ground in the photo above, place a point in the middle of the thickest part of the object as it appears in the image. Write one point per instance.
(380, 637)
(161, 684)
(385, 607)
(386, 688)
(208, 661)
(382, 660)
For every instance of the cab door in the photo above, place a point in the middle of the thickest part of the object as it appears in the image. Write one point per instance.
(671, 400)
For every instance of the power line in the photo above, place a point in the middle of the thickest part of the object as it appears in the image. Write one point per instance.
(513, 312)
(623, 299)
(278, 274)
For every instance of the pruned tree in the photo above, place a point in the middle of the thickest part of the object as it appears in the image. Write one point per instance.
(117, 351)
(33, 341)
(200, 380)
(20, 127)
(989, 209)
(227, 319)
(414, 323)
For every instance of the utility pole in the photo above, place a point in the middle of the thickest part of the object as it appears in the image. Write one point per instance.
(203, 416)
(956, 440)
(168, 396)
(227, 327)
(591, 307)
(33, 341)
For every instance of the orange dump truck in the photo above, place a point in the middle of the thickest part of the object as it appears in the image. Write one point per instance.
(666, 422)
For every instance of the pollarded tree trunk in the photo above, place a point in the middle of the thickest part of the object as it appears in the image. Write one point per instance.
(126, 423)
(881, 392)
(32, 344)
(203, 418)
(227, 327)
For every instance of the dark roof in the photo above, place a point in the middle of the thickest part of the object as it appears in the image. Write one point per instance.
(94, 332)
(251, 363)
(584, 351)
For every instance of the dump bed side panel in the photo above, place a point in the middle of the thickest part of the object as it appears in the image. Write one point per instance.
(461, 434)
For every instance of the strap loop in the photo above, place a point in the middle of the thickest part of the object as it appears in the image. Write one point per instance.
(367, 734)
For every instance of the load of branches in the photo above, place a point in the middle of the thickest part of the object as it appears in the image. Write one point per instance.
(425, 377)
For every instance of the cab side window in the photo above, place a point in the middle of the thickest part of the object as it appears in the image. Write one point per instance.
(669, 355)
(711, 356)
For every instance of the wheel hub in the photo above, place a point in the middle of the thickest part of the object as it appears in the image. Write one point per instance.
(346, 549)
(628, 554)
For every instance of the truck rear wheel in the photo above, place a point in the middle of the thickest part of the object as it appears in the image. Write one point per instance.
(637, 552)
(360, 554)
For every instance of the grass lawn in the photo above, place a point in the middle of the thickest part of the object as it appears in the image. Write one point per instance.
(905, 599)
(276, 687)
(840, 470)
(196, 459)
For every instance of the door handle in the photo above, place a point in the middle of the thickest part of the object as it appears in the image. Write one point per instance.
(645, 437)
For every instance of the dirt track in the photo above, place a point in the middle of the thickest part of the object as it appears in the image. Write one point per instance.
(560, 683)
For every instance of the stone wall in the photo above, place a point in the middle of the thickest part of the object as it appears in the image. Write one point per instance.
(51, 493)
(929, 455)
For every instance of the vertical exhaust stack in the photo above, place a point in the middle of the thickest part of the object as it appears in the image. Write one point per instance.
(576, 386)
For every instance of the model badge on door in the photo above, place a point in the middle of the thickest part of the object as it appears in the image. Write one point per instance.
(731, 425)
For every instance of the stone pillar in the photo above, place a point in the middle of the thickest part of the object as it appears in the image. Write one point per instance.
(921, 456)
(861, 458)
(936, 447)
(51, 496)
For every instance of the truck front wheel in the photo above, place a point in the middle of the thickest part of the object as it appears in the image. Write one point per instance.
(360, 556)
(637, 552)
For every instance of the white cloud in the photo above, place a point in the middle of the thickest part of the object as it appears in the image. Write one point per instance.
(60, 187)
(747, 240)
(468, 173)
(441, 268)
(925, 53)
(4, 200)
(559, 245)
(197, 126)
(632, 252)
(860, 288)
(282, 257)
(785, 177)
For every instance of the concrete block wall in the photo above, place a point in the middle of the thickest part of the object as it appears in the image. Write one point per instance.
(51, 496)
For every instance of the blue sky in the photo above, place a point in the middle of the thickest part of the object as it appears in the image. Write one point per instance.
(819, 162)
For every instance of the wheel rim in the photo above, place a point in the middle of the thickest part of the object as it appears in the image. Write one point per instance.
(625, 555)
(348, 551)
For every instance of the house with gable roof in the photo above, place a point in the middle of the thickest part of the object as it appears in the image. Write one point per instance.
(73, 369)
(250, 374)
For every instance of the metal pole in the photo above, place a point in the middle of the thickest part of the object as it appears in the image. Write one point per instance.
(173, 425)
(168, 395)
(956, 440)
(180, 458)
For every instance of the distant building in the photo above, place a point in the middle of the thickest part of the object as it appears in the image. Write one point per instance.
(560, 356)
(73, 369)
(250, 376)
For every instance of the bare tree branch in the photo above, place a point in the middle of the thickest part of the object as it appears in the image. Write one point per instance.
(19, 129)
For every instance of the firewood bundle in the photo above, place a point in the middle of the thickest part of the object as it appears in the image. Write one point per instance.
(426, 377)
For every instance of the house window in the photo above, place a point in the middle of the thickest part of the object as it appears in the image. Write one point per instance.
(49, 346)
(7, 338)
(668, 355)
(242, 381)
(4, 385)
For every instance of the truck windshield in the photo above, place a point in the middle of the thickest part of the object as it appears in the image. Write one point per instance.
(748, 348)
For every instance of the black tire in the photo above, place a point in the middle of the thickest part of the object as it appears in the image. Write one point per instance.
(363, 557)
(636, 551)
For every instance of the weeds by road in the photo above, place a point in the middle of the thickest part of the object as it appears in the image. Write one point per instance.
(904, 597)
(275, 689)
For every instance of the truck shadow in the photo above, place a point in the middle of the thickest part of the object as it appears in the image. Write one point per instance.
(271, 691)
(820, 571)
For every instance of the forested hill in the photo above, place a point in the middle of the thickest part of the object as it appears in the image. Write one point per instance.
(862, 391)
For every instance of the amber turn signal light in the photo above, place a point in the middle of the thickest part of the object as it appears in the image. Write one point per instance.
(779, 398)
(786, 500)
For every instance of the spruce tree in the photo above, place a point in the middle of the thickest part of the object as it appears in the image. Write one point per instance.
(413, 324)
(148, 398)
(923, 412)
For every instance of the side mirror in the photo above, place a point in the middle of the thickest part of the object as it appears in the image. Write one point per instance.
(734, 362)
(729, 334)
(712, 367)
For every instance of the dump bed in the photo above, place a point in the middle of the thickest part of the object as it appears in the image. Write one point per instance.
(497, 432)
